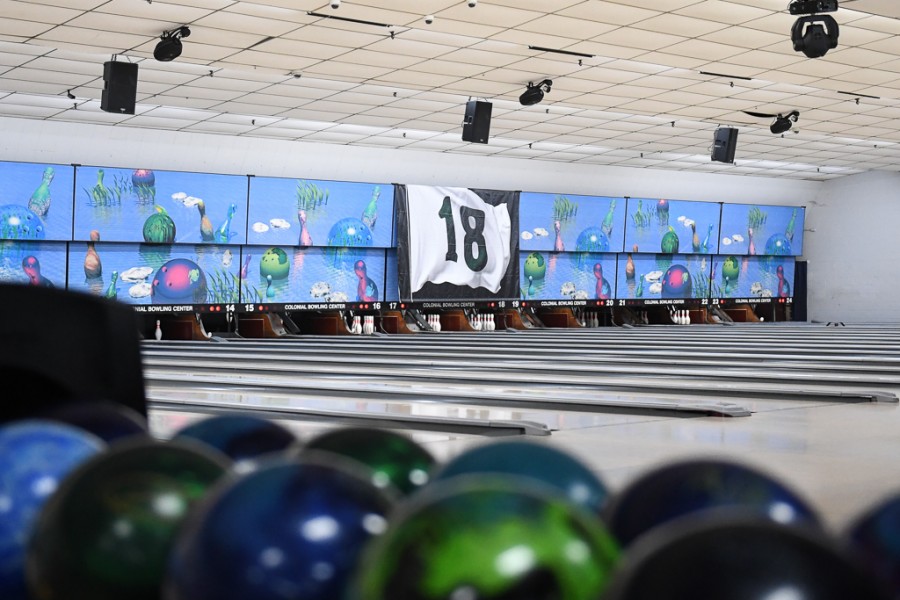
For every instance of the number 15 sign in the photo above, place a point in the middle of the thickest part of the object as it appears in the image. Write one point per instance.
(457, 243)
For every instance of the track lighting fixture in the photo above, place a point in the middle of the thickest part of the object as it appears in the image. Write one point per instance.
(781, 124)
(814, 35)
(169, 46)
(533, 94)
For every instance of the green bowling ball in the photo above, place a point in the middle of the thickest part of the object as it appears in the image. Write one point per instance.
(535, 266)
(731, 268)
(275, 263)
(669, 243)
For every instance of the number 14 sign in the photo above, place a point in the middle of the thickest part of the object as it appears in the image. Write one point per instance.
(457, 243)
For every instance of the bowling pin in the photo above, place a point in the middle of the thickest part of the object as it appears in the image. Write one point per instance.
(370, 323)
(437, 322)
(158, 332)
(357, 327)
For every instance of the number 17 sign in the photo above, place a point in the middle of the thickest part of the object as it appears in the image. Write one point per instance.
(457, 243)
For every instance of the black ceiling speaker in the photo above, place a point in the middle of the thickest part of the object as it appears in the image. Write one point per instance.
(724, 144)
(814, 36)
(119, 93)
(477, 125)
(535, 93)
(169, 46)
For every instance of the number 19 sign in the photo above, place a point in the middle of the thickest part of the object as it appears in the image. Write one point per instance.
(456, 243)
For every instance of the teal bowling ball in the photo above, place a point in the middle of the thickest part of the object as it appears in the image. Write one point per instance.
(676, 283)
(535, 266)
(20, 223)
(592, 239)
(350, 231)
(778, 245)
(275, 262)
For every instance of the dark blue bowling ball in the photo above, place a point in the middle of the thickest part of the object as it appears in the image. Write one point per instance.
(107, 420)
(540, 462)
(693, 486)
(875, 538)
(738, 558)
(242, 438)
(286, 530)
(35, 456)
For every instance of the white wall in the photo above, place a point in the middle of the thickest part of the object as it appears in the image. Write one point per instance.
(851, 273)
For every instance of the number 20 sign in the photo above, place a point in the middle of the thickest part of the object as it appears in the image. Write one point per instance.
(457, 243)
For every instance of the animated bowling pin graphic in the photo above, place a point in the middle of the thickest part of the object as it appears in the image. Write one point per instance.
(93, 268)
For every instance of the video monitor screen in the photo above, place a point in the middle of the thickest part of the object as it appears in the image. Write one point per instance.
(570, 223)
(300, 276)
(672, 226)
(555, 276)
(753, 278)
(656, 278)
(33, 263)
(159, 207)
(36, 201)
(305, 212)
(760, 229)
(154, 274)
(391, 279)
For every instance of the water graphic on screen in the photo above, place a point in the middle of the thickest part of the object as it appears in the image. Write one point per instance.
(567, 276)
(672, 226)
(33, 263)
(36, 201)
(570, 223)
(736, 276)
(750, 229)
(663, 276)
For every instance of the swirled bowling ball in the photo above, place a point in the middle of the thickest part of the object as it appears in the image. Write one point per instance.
(391, 458)
(159, 228)
(19, 223)
(143, 178)
(739, 558)
(107, 532)
(691, 487)
(286, 530)
(350, 231)
(676, 282)
(731, 268)
(179, 281)
(35, 456)
(778, 245)
(275, 262)
(535, 266)
(537, 462)
(874, 537)
(669, 243)
(488, 538)
(592, 239)
(243, 438)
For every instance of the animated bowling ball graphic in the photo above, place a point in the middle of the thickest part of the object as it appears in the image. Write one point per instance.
(275, 263)
(350, 232)
(179, 281)
(662, 207)
(143, 177)
(778, 245)
(669, 243)
(535, 266)
(159, 228)
(19, 223)
(592, 239)
(731, 268)
(676, 283)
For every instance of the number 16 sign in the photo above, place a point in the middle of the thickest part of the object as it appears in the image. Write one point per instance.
(457, 243)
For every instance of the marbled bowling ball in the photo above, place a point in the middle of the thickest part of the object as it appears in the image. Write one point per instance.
(731, 268)
(107, 532)
(179, 281)
(535, 266)
(676, 282)
(19, 223)
(488, 537)
(275, 262)
(143, 178)
(243, 438)
(35, 456)
(159, 228)
(350, 232)
(778, 245)
(287, 530)
(669, 243)
(592, 239)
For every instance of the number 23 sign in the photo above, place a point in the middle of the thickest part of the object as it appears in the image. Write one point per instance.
(457, 243)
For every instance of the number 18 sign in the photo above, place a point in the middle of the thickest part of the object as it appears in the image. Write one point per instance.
(457, 243)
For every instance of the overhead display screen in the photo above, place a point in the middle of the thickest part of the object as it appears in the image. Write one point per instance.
(552, 276)
(753, 229)
(305, 212)
(663, 278)
(570, 223)
(36, 201)
(753, 278)
(33, 263)
(672, 226)
(159, 207)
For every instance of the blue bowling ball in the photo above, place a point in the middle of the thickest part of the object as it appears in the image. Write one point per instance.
(676, 282)
(539, 462)
(107, 420)
(35, 456)
(875, 538)
(690, 487)
(240, 437)
(287, 530)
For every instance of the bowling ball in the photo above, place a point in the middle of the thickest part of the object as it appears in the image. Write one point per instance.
(391, 458)
(738, 559)
(778, 245)
(35, 456)
(286, 530)
(875, 538)
(662, 207)
(592, 239)
(687, 487)
(159, 228)
(107, 532)
(538, 462)
(179, 280)
(242, 438)
(676, 283)
(275, 262)
(487, 538)
(143, 178)
(107, 420)
(731, 268)
(669, 243)
(20, 223)
(350, 232)
(535, 266)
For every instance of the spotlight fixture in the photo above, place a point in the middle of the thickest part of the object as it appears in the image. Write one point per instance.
(814, 35)
(781, 124)
(169, 46)
(533, 94)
